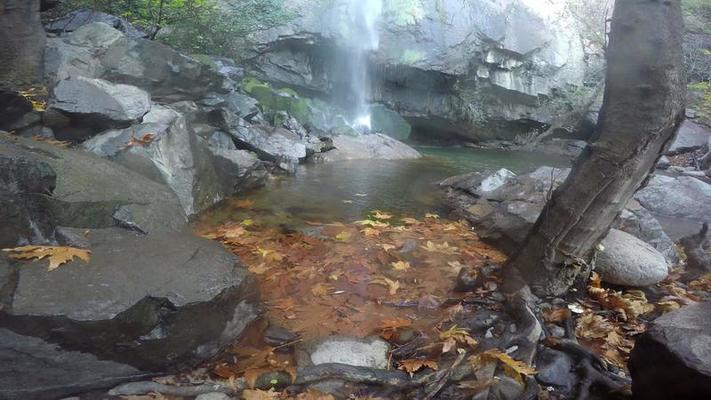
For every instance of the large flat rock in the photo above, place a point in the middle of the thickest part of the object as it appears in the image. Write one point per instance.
(143, 304)
(91, 192)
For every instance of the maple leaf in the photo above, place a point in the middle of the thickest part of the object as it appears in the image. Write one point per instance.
(343, 236)
(443, 248)
(456, 335)
(269, 255)
(413, 365)
(386, 247)
(53, 142)
(247, 222)
(377, 214)
(367, 231)
(513, 368)
(702, 284)
(556, 315)
(433, 216)
(400, 265)
(592, 326)
(58, 255)
(409, 221)
(390, 326)
(392, 285)
(256, 394)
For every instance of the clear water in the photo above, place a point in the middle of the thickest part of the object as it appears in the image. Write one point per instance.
(347, 191)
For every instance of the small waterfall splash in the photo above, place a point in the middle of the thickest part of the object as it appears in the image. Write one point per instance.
(363, 17)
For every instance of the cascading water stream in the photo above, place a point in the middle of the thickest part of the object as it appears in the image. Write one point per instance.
(364, 38)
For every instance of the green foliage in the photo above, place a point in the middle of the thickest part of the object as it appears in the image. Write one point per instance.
(699, 99)
(212, 27)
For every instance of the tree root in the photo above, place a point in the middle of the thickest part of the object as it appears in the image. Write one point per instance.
(591, 369)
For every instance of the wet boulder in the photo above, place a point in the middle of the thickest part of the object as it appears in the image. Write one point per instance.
(672, 359)
(170, 154)
(638, 221)
(368, 352)
(238, 170)
(25, 183)
(691, 136)
(91, 192)
(628, 261)
(678, 202)
(144, 304)
(98, 103)
(368, 146)
(270, 143)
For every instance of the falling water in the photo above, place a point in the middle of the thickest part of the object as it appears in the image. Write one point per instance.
(363, 17)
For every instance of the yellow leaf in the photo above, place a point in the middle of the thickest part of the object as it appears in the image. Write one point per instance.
(413, 365)
(343, 236)
(410, 221)
(456, 335)
(370, 232)
(255, 394)
(248, 222)
(58, 255)
(400, 265)
(269, 255)
(513, 368)
(443, 248)
(386, 247)
(392, 285)
(433, 216)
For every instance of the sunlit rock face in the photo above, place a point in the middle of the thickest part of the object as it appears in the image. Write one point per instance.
(485, 69)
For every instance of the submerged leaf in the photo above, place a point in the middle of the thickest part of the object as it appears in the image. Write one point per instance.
(513, 368)
(400, 265)
(413, 365)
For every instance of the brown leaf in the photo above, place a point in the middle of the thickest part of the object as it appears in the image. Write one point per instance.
(413, 365)
(556, 315)
(58, 255)
(513, 368)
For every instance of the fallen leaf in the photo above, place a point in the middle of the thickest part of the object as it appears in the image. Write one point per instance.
(58, 255)
(372, 223)
(443, 248)
(392, 285)
(433, 216)
(269, 255)
(410, 221)
(143, 141)
(413, 365)
(244, 203)
(247, 222)
(400, 265)
(513, 368)
(592, 326)
(556, 315)
(456, 335)
(321, 289)
(312, 394)
(258, 269)
(386, 247)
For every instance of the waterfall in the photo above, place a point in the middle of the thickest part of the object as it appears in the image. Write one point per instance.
(363, 18)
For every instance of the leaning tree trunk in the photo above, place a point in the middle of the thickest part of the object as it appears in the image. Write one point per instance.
(642, 110)
(22, 41)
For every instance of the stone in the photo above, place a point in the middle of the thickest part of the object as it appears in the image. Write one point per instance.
(24, 209)
(663, 162)
(628, 261)
(272, 144)
(672, 359)
(679, 203)
(691, 136)
(99, 102)
(556, 369)
(125, 307)
(375, 146)
(174, 156)
(13, 107)
(279, 336)
(63, 60)
(389, 122)
(82, 17)
(89, 190)
(369, 352)
(238, 170)
(638, 221)
(221, 140)
(166, 74)
(97, 36)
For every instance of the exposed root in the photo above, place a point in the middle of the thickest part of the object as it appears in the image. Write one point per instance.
(140, 388)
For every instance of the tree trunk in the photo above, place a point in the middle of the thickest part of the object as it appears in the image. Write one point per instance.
(642, 110)
(22, 40)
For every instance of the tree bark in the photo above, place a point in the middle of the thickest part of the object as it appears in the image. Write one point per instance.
(643, 107)
(22, 41)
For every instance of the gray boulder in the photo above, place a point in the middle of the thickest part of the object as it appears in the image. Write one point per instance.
(691, 136)
(24, 208)
(238, 170)
(122, 315)
(503, 208)
(680, 203)
(628, 261)
(82, 17)
(91, 192)
(272, 144)
(672, 359)
(100, 102)
(173, 156)
(369, 146)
